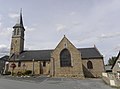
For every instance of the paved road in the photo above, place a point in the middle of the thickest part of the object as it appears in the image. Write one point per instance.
(51, 83)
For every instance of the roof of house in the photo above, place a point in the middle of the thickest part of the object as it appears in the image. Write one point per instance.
(115, 60)
(108, 68)
(45, 55)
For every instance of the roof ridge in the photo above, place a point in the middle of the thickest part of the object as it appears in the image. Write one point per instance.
(98, 50)
(86, 48)
(53, 49)
(39, 50)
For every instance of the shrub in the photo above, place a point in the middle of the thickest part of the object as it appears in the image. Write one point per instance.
(8, 73)
(28, 72)
(19, 73)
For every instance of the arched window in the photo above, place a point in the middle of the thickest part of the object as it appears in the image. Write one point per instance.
(44, 63)
(19, 64)
(89, 65)
(65, 58)
(15, 32)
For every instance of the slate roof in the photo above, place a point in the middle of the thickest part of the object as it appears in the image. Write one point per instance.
(45, 55)
(36, 55)
(17, 25)
(4, 58)
(88, 53)
(20, 22)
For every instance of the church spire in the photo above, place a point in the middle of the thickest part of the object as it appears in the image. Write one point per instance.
(20, 21)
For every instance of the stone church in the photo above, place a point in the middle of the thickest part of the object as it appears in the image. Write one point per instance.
(64, 61)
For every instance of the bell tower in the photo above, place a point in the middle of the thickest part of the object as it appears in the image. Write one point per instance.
(17, 42)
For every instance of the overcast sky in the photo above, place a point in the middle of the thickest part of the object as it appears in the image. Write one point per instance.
(84, 22)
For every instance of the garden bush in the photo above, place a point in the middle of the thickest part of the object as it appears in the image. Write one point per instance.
(28, 72)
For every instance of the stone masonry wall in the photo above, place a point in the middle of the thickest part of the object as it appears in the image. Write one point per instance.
(76, 69)
(98, 67)
(38, 67)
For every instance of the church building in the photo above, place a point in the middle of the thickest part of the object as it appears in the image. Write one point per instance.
(65, 60)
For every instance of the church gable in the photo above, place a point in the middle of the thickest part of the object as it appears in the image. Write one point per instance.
(65, 44)
(67, 59)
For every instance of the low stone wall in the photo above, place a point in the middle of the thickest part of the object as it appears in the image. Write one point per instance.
(110, 79)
